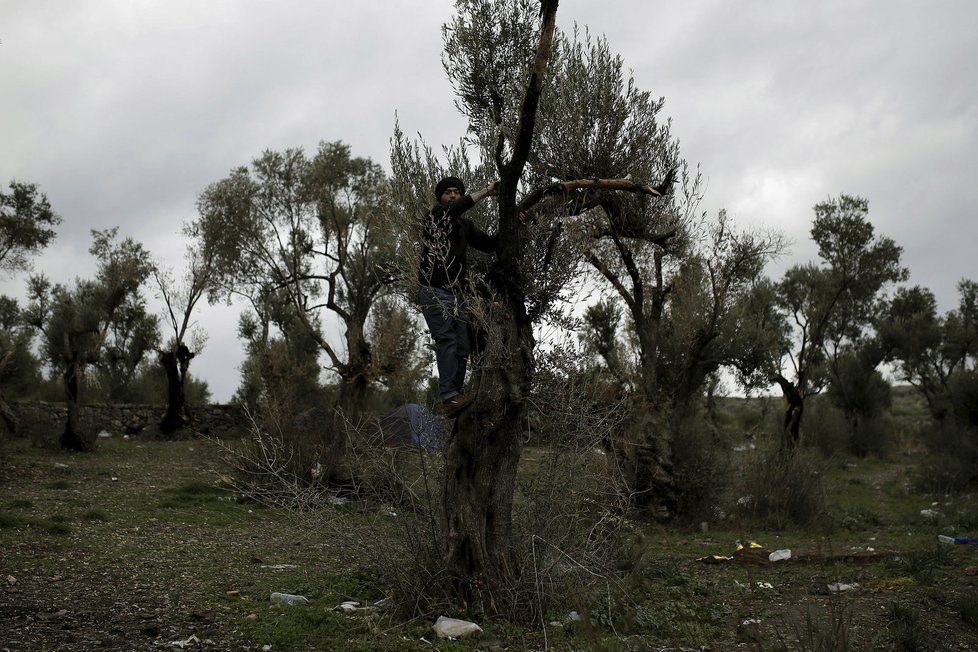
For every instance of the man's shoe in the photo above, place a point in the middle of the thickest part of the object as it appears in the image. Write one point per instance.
(452, 406)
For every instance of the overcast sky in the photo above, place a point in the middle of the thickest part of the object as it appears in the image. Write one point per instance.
(123, 110)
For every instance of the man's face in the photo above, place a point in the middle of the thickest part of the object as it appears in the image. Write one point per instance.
(450, 194)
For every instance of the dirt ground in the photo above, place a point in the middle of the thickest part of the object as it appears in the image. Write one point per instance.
(128, 548)
(96, 563)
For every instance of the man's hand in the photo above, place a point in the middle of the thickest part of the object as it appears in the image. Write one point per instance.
(489, 191)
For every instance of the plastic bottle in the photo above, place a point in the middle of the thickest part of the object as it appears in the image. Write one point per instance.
(288, 598)
(943, 538)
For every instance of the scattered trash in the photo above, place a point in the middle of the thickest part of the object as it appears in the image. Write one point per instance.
(839, 587)
(930, 514)
(252, 616)
(572, 617)
(453, 628)
(47, 616)
(765, 585)
(266, 648)
(384, 603)
(64, 468)
(352, 606)
(337, 501)
(749, 630)
(114, 479)
(780, 555)
(233, 594)
(704, 527)
(104, 435)
(714, 559)
(959, 540)
(187, 642)
(288, 598)
(745, 500)
(278, 566)
(752, 544)
(11, 580)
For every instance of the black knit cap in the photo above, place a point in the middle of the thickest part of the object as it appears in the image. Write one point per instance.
(446, 183)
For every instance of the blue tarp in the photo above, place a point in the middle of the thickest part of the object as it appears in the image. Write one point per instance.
(411, 425)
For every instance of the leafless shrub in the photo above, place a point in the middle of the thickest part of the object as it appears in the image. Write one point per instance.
(286, 460)
(269, 468)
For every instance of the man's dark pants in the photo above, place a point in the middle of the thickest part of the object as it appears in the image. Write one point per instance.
(445, 314)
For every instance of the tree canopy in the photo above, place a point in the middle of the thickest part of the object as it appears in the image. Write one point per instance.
(27, 224)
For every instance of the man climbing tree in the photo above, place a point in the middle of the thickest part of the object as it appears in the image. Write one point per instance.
(498, 55)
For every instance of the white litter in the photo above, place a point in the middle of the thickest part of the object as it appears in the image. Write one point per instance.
(187, 642)
(779, 555)
(454, 628)
(288, 598)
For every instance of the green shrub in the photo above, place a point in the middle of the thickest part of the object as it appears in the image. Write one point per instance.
(824, 428)
(782, 487)
(951, 465)
(701, 465)
(828, 631)
(906, 628)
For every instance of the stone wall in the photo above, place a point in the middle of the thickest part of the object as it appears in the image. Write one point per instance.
(132, 419)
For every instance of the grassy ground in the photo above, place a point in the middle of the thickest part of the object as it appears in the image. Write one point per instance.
(138, 546)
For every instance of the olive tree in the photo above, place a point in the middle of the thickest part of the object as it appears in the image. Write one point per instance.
(929, 350)
(832, 303)
(27, 224)
(75, 320)
(305, 238)
(505, 59)
(181, 298)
